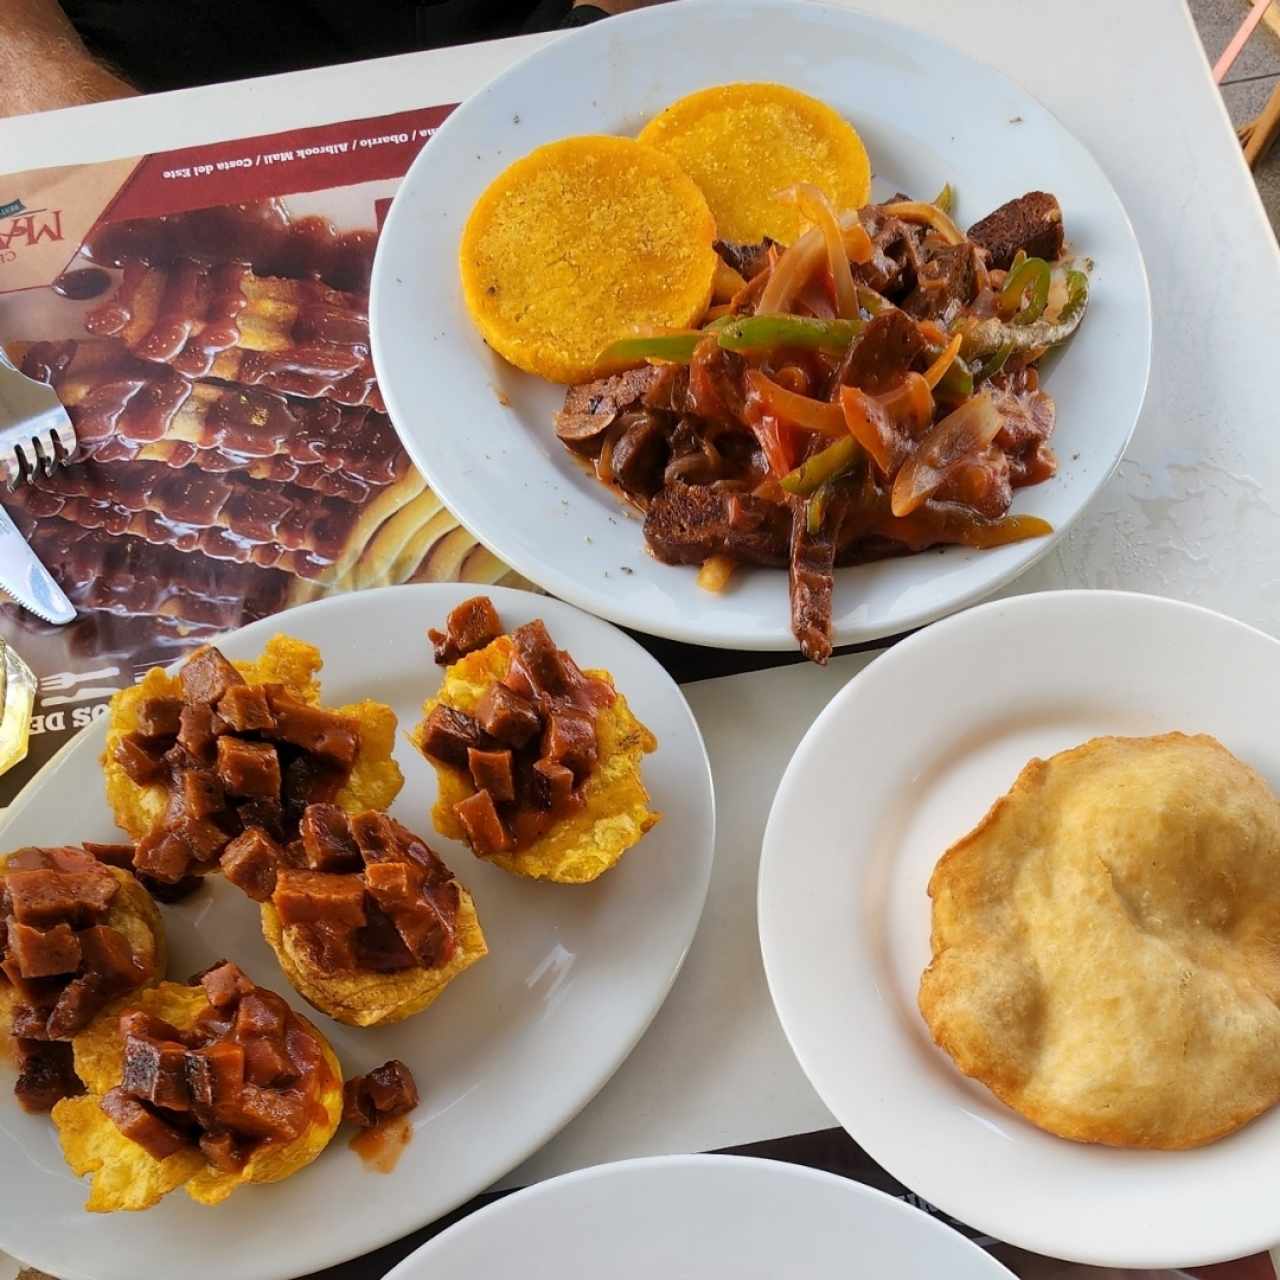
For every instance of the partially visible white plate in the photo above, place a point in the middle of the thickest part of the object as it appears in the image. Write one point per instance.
(507, 1056)
(699, 1218)
(902, 763)
(482, 432)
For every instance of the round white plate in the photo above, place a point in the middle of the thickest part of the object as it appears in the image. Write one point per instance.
(699, 1218)
(507, 1056)
(482, 432)
(903, 762)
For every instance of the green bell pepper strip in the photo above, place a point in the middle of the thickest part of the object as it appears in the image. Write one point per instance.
(815, 510)
(994, 363)
(814, 472)
(764, 333)
(676, 347)
(1030, 278)
(945, 198)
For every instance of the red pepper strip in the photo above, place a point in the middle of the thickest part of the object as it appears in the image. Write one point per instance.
(933, 374)
(928, 526)
(794, 409)
(774, 441)
(868, 423)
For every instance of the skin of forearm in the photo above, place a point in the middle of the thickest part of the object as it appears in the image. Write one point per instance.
(44, 65)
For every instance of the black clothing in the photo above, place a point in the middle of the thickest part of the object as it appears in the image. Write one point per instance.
(173, 44)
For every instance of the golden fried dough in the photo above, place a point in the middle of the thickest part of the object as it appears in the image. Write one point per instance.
(1105, 952)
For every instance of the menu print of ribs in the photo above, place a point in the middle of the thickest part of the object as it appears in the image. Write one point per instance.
(236, 457)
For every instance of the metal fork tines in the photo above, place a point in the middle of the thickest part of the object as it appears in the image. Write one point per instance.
(36, 435)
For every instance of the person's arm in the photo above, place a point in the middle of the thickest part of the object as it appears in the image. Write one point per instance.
(44, 64)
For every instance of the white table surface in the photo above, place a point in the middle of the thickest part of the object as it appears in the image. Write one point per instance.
(1194, 511)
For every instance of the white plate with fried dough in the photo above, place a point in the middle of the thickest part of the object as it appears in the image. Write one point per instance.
(1160, 903)
(511, 1051)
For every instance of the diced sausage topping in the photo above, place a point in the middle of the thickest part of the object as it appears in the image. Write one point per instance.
(251, 862)
(247, 1073)
(384, 1093)
(528, 748)
(63, 961)
(470, 626)
(391, 905)
(232, 756)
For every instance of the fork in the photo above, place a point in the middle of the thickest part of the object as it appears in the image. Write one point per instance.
(36, 435)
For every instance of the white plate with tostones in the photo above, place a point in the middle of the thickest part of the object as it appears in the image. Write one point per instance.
(482, 432)
(710, 1217)
(902, 763)
(510, 1052)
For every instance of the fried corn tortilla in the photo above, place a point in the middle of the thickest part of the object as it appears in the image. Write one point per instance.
(1104, 944)
(577, 244)
(123, 1175)
(375, 777)
(744, 143)
(365, 999)
(589, 841)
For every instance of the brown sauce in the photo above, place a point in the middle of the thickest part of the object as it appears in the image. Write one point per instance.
(381, 1147)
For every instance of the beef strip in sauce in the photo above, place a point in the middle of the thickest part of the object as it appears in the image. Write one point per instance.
(240, 762)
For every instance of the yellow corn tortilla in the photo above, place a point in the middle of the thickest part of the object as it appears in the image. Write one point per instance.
(744, 143)
(579, 243)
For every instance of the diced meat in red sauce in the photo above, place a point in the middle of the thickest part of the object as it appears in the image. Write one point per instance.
(111, 855)
(537, 744)
(46, 1074)
(43, 953)
(246, 1073)
(332, 737)
(224, 983)
(325, 831)
(469, 626)
(506, 717)
(160, 717)
(484, 830)
(140, 760)
(80, 1001)
(201, 793)
(162, 857)
(384, 1093)
(44, 897)
(306, 897)
(206, 676)
(394, 909)
(245, 709)
(493, 771)
(448, 734)
(248, 768)
(251, 862)
(232, 756)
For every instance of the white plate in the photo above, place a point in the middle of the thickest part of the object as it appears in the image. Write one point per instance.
(904, 761)
(511, 1051)
(699, 1218)
(928, 116)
